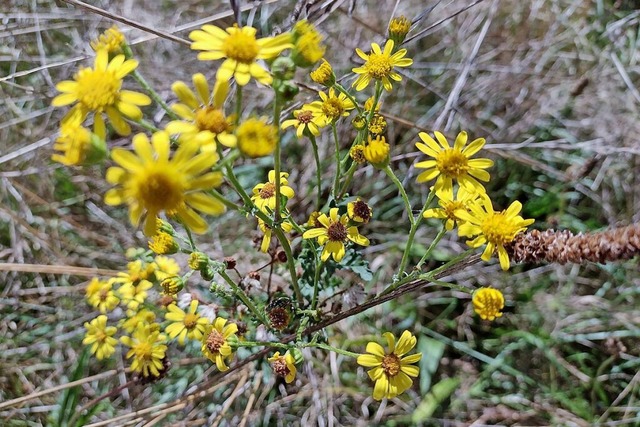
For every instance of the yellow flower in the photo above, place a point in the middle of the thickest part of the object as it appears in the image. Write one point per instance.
(379, 65)
(264, 194)
(166, 267)
(488, 303)
(111, 41)
(133, 293)
(171, 285)
(333, 234)
(101, 295)
(100, 336)
(368, 104)
(99, 90)
(185, 324)
(241, 49)
(306, 120)
(284, 366)
(493, 228)
(257, 138)
(163, 244)
(377, 152)
(359, 211)
(77, 146)
(308, 48)
(148, 348)
(453, 163)
(331, 107)
(266, 239)
(377, 124)
(214, 342)
(323, 75)
(135, 319)
(448, 208)
(391, 371)
(398, 29)
(203, 117)
(151, 183)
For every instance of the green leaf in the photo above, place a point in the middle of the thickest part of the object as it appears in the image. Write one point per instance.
(433, 399)
(432, 351)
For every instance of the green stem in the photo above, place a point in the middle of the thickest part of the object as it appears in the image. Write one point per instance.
(347, 180)
(336, 181)
(243, 297)
(154, 95)
(228, 203)
(403, 193)
(433, 244)
(316, 156)
(331, 348)
(415, 222)
(146, 126)
(262, 344)
(238, 103)
(316, 280)
(433, 273)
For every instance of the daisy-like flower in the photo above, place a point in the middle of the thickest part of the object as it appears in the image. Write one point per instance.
(256, 137)
(135, 319)
(134, 293)
(308, 48)
(331, 107)
(391, 371)
(185, 324)
(451, 163)
(99, 89)
(266, 230)
(166, 267)
(148, 349)
(333, 234)
(306, 121)
(202, 114)
(100, 295)
(215, 345)
(284, 366)
(111, 40)
(149, 182)
(264, 194)
(76, 145)
(448, 208)
(323, 75)
(379, 65)
(495, 229)
(359, 211)
(163, 244)
(488, 303)
(241, 49)
(100, 337)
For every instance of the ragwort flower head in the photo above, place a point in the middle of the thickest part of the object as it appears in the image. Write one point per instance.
(323, 75)
(76, 145)
(284, 366)
(449, 207)
(377, 151)
(241, 49)
(308, 48)
(100, 295)
(391, 371)
(215, 345)
(306, 120)
(398, 29)
(99, 90)
(359, 211)
(264, 194)
(332, 106)
(110, 40)
(495, 229)
(333, 234)
(202, 114)
(451, 163)
(185, 324)
(100, 337)
(151, 183)
(148, 349)
(488, 303)
(256, 137)
(379, 65)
